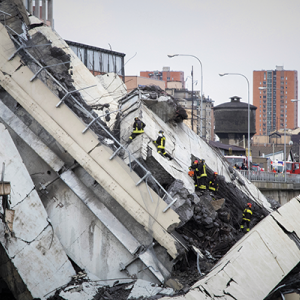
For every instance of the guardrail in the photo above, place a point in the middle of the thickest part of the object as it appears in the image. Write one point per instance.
(271, 177)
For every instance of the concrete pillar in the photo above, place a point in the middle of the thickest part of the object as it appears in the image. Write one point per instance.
(50, 13)
(44, 9)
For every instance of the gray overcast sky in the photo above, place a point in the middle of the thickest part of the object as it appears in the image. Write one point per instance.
(233, 36)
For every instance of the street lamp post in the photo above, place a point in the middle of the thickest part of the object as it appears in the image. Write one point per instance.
(199, 113)
(224, 74)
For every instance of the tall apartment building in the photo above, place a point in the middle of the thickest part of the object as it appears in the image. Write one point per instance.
(273, 91)
(173, 79)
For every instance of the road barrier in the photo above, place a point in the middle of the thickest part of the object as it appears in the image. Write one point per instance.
(271, 177)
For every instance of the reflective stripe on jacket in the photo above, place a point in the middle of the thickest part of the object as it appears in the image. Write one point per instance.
(161, 142)
(202, 170)
(247, 214)
(213, 184)
(138, 126)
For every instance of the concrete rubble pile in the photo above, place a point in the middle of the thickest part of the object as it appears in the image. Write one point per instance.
(95, 218)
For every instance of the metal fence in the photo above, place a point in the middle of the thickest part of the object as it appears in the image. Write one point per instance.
(271, 177)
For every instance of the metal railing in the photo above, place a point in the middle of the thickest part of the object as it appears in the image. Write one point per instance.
(94, 120)
(270, 177)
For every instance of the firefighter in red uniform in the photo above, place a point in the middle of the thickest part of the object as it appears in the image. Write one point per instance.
(247, 214)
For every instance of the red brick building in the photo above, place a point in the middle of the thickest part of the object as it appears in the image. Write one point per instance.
(273, 91)
(166, 75)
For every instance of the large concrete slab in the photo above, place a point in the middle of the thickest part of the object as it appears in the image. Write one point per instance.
(182, 143)
(261, 259)
(67, 129)
(33, 248)
(94, 215)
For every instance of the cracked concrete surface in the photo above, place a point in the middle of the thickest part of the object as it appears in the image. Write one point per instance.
(39, 241)
(32, 239)
(256, 255)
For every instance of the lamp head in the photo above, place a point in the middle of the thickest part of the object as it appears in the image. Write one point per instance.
(262, 88)
(172, 55)
(223, 74)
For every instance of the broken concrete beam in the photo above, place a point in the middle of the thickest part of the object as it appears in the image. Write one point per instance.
(56, 208)
(182, 144)
(271, 247)
(88, 160)
(41, 103)
(12, 17)
(142, 289)
(114, 85)
(218, 204)
(79, 75)
(33, 249)
(183, 205)
(164, 107)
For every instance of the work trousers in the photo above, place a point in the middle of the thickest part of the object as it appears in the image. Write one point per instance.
(134, 135)
(245, 226)
(163, 153)
(202, 182)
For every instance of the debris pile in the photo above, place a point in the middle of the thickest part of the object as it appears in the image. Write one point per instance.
(119, 211)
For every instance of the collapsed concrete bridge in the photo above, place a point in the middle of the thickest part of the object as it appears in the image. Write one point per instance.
(83, 201)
